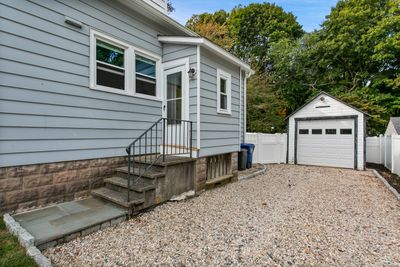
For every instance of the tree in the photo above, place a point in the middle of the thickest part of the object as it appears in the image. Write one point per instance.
(256, 27)
(266, 110)
(213, 27)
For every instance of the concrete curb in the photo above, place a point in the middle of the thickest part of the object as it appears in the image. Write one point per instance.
(257, 173)
(394, 191)
(26, 240)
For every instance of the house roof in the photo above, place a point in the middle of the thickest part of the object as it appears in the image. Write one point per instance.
(325, 93)
(203, 42)
(149, 10)
(396, 123)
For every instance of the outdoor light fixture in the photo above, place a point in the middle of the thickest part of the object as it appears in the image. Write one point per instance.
(192, 72)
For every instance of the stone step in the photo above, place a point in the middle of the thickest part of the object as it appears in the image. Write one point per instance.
(139, 186)
(117, 197)
(169, 160)
(150, 174)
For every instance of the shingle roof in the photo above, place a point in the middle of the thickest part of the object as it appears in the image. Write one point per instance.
(396, 123)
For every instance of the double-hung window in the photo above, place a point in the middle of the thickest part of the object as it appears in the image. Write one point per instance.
(122, 68)
(224, 85)
(146, 79)
(110, 65)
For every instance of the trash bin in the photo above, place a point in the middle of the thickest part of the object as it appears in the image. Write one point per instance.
(250, 150)
(242, 162)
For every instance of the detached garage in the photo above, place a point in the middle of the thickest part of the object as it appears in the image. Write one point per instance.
(327, 132)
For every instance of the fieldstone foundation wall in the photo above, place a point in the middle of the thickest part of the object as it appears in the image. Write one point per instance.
(24, 187)
(201, 171)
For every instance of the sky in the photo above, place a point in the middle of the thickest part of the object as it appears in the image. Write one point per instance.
(309, 13)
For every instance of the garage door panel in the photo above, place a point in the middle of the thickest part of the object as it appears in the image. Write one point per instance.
(333, 150)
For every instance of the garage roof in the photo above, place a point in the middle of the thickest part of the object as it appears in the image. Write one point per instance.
(325, 93)
(396, 123)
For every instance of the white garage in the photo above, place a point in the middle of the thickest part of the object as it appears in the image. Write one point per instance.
(327, 132)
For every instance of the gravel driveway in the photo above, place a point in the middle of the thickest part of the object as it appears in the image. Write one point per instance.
(292, 215)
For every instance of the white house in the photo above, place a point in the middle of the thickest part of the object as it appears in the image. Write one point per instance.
(327, 132)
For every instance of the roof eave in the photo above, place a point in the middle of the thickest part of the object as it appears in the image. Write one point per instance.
(208, 45)
(164, 17)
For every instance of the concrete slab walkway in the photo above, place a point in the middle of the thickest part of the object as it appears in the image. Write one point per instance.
(59, 221)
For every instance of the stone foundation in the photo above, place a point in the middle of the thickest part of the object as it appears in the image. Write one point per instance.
(24, 187)
(201, 171)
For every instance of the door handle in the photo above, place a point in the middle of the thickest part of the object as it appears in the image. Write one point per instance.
(164, 106)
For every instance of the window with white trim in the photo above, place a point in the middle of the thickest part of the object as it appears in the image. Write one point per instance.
(121, 68)
(224, 85)
(146, 80)
(110, 65)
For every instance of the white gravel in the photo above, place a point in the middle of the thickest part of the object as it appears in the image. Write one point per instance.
(292, 215)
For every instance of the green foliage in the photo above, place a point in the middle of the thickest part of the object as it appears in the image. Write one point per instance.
(355, 56)
(266, 110)
(212, 26)
(256, 27)
(11, 253)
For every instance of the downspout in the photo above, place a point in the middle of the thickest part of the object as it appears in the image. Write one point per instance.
(198, 100)
(241, 126)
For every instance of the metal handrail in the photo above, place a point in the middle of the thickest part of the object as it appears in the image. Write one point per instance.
(174, 136)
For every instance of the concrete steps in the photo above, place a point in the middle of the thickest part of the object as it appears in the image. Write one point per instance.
(117, 197)
(153, 186)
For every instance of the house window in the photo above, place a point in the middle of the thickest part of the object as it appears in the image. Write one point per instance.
(121, 68)
(110, 65)
(303, 131)
(330, 131)
(146, 80)
(224, 83)
(346, 131)
(316, 131)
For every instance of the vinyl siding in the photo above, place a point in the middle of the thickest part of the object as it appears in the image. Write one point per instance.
(336, 109)
(219, 133)
(47, 111)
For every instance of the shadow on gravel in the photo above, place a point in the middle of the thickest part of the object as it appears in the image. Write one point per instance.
(391, 178)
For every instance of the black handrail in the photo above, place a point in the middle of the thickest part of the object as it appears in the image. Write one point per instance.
(173, 136)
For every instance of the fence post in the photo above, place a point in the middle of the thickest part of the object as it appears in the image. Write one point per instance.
(392, 152)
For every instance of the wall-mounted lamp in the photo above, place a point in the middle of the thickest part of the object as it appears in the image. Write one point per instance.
(73, 22)
(192, 73)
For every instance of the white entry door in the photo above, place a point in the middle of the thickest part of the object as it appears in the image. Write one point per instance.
(175, 108)
(326, 143)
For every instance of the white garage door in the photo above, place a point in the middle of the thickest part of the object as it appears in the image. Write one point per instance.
(326, 143)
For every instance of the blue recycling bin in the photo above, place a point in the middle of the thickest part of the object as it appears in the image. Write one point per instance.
(250, 151)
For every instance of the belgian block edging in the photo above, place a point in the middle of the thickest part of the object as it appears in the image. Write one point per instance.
(252, 175)
(26, 240)
(394, 191)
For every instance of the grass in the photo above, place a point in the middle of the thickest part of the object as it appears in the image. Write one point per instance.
(11, 253)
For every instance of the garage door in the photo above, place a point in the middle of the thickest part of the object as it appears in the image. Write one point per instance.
(326, 143)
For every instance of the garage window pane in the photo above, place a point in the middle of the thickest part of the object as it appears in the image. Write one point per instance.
(330, 131)
(303, 131)
(346, 131)
(316, 131)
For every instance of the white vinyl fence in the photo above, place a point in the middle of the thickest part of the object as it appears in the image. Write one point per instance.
(270, 148)
(384, 150)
